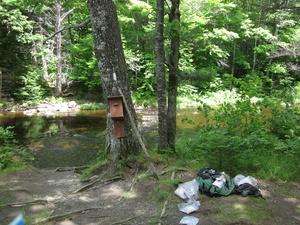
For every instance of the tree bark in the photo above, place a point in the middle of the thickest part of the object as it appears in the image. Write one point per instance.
(58, 26)
(233, 59)
(43, 58)
(113, 70)
(173, 72)
(60, 16)
(160, 76)
(1, 78)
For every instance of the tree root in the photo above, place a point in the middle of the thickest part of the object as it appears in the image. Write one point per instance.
(130, 187)
(126, 220)
(75, 169)
(95, 182)
(20, 204)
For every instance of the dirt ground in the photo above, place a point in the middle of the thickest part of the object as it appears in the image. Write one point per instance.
(47, 196)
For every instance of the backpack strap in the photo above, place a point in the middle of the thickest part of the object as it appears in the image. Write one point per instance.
(207, 172)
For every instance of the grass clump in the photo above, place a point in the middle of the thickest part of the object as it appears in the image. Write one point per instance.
(92, 106)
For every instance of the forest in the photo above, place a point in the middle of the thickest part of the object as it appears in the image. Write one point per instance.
(236, 59)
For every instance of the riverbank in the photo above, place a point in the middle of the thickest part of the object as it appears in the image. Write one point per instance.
(58, 196)
(49, 106)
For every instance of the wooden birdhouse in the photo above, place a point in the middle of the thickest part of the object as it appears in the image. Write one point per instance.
(117, 115)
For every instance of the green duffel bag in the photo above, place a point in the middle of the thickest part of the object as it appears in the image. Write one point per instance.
(213, 183)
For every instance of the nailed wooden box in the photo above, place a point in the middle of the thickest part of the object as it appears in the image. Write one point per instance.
(117, 114)
(116, 107)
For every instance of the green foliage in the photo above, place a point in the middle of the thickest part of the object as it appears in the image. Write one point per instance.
(92, 106)
(31, 86)
(203, 78)
(15, 37)
(137, 23)
(11, 156)
(240, 138)
(56, 99)
(185, 119)
(258, 48)
(144, 95)
(85, 72)
(284, 122)
(252, 85)
(7, 144)
(3, 104)
(188, 91)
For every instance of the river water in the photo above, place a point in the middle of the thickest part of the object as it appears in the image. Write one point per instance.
(76, 138)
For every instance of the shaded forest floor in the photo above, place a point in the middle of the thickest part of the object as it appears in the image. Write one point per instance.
(47, 196)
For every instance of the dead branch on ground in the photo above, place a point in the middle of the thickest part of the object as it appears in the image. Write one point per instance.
(166, 202)
(95, 182)
(51, 218)
(172, 169)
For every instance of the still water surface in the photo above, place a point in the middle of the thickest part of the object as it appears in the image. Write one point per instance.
(76, 138)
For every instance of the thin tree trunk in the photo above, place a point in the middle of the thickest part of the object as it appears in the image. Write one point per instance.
(43, 58)
(256, 43)
(113, 70)
(254, 55)
(233, 58)
(1, 78)
(58, 26)
(173, 72)
(45, 68)
(160, 76)
(271, 59)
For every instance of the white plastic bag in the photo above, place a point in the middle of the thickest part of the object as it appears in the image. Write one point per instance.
(189, 220)
(188, 190)
(189, 207)
(240, 179)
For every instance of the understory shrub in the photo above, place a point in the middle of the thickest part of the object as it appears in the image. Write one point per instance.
(31, 86)
(7, 144)
(10, 151)
(247, 137)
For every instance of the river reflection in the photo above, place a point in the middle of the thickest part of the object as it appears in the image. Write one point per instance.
(75, 138)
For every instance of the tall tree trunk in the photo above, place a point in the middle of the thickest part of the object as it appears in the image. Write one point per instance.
(160, 74)
(173, 72)
(256, 43)
(43, 58)
(276, 31)
(1, 78)
(233, 59)
(112, 65)
(58, 27)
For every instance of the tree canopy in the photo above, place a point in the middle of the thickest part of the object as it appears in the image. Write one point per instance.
(224, 44)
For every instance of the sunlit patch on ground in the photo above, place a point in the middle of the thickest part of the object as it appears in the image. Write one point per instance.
(113, 191)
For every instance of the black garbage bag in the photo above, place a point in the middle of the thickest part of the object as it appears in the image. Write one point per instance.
(248, 190)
